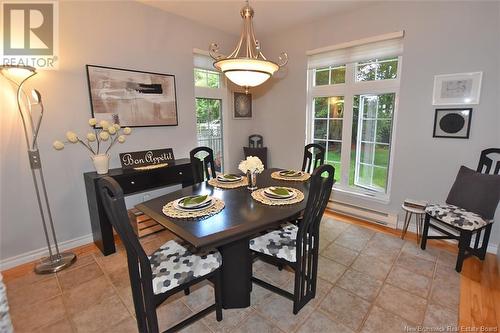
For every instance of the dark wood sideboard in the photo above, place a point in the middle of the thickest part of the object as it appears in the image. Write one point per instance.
(132, 182)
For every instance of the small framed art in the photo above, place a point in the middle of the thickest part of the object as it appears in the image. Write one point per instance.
(242, 106)
(452, 123)
(457, 89)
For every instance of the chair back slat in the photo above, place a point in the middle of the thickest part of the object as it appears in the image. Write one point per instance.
(203, 166)
(307, 241)
(255, 141)
(486, 161)
(139, 266)
(314, 156)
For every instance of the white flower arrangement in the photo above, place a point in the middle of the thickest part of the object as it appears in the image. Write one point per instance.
(94, 140)
(251, 164)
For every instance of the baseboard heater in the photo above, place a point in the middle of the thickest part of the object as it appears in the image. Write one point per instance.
(364, 213)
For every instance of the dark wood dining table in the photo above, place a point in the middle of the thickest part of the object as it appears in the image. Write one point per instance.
(231, 229)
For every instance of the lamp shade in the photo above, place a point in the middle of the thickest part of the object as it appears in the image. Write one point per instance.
(17, 73)
(247, 72)
(246, 66)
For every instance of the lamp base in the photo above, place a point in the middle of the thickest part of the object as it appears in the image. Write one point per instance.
(55, 263)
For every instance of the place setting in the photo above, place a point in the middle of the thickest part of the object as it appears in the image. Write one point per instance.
(228, 181)
(291, 175)
(193, 206)
(278, 195)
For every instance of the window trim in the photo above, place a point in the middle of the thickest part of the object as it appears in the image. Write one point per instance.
(221, 93)
(349, 89)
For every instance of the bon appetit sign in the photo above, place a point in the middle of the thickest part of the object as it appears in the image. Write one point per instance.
(143, 158)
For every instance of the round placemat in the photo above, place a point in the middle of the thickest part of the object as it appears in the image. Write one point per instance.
(260, 197)
(305, 176)
(214, 182)
(172, 212)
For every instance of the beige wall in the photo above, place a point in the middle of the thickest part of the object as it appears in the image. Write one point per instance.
(441, 37)
(119, 34)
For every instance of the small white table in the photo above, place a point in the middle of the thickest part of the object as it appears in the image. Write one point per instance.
(419, 220)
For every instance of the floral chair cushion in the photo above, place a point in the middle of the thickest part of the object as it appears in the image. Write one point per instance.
(280, 243)
(173, 265)
(456, 216)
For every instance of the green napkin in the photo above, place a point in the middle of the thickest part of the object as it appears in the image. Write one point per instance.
(193, 200)
(280, 191)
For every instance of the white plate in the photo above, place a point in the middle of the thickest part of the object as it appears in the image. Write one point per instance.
(296, 175)
(176, 206)
(225, 180)
(204, 202)
(270, 195)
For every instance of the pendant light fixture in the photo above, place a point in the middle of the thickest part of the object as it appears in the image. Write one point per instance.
(246, 66)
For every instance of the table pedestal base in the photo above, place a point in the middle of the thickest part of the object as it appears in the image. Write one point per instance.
(236, 274)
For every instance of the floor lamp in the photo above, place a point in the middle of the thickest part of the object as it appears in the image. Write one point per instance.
(18, 75)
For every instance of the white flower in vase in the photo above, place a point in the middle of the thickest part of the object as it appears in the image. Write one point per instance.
(94, 142)
(104, 124)
(58, 145)
(251, 164)
(104, 136)
(72, 137)
(91, 137)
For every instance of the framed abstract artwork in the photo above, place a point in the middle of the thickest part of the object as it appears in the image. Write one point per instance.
(452, 123)
(242, 106)
(457, 89)
(132, 98)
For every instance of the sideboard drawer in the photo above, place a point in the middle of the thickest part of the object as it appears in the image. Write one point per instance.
(152, 179)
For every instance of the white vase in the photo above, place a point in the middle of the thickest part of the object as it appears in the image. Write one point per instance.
(101, 163)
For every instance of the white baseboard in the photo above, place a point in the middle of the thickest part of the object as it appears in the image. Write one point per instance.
(43, 252)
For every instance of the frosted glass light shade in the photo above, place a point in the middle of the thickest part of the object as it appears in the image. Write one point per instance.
(17, 73)
(247, 72)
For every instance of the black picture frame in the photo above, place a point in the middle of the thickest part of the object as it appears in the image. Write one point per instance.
(242, 108)
(450, 121)
(93, 105)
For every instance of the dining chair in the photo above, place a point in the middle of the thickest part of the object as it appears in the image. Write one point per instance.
(314, 156)
(296, 246)
(170, 269)
(255, 141)
(469, 208)
(202, 164)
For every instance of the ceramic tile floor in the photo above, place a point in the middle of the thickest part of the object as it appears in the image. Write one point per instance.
(368, 282)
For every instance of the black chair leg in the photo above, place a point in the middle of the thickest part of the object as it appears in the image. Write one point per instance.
(280, 267)
(186, 291)
(427, 221)
(486, 239)
(463, 246)
(218, 295)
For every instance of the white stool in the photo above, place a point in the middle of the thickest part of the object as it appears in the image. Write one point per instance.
(419, 220)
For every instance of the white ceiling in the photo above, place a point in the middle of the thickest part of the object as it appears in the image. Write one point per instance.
(270, 15)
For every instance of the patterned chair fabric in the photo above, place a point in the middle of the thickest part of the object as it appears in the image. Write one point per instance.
(173, 265)
(280, 243)
(456, 216)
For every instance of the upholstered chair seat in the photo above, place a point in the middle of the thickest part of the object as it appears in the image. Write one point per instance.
(279, 243)
(173, 265)
(456, 216)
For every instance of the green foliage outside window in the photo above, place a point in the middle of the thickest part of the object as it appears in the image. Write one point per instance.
(206, 79)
